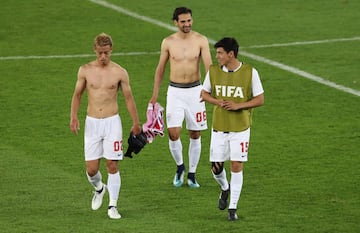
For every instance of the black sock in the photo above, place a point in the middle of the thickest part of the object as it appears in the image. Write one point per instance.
(191, 176)
(99, 191)
(180, 169)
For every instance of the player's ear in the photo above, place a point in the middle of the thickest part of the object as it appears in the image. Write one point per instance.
(231, 54)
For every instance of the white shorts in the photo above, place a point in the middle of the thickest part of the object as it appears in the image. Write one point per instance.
(231, 146)
(184, 103)
(103, 138)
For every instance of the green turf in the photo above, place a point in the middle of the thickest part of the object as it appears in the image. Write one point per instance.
(303, 170)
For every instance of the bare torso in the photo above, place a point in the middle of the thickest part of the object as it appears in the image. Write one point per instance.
(102, 85)
(184, 56)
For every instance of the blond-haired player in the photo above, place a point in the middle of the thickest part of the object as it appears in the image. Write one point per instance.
(102, 79)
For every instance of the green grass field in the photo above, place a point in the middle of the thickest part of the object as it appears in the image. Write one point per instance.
(304, 165)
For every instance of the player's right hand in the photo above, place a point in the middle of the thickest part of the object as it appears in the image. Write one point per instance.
(74, 126)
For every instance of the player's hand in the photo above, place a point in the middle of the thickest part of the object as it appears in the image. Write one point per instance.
(201, 98)
(220, 103)
(230, 105)
(153, 100)
(74, 126)
(136, 129)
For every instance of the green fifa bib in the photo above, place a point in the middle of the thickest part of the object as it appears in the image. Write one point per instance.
(235, 86)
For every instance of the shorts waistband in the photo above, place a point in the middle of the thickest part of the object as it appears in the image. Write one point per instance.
(185, 85)
(105, 118)
(214, 130)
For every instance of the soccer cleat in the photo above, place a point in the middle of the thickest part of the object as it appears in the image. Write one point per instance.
(193, 184)
(179, 179)
(232, 216)
(113, 213)
(98, 198)
(223, 199)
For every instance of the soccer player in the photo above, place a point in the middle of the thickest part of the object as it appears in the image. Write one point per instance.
(234, 88)
(184, 49)
(102, 78)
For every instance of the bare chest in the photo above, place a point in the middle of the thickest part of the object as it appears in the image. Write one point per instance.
(102, 80)
(185, 52)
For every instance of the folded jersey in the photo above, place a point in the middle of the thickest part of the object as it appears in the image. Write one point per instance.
(154, 121)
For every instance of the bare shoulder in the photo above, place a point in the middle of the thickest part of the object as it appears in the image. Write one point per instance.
(87, 66)
(118, 69)
(85, 69)
(169, 40)
(199, 36)
(170, 37)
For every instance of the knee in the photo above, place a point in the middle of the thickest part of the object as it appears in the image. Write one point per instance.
(173, 136)
(217, 167)
(91, 172)
(112, 166)
(236, 166)
(92, 167)
(194, 134)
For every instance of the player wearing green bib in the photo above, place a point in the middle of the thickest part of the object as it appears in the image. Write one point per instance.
(234, 88)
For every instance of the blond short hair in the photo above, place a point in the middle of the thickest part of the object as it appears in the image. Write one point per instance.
(103, 39)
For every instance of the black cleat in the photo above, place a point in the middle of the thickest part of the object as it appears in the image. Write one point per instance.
(223, 199)
(232, 216)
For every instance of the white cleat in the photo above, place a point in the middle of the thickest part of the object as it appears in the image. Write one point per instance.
(98, 198)
(113, 213)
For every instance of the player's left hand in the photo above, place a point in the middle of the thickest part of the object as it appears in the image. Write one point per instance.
(136, 129)
(136, 143)
(230, 105)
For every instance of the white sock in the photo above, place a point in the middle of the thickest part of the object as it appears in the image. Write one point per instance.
(95, 180)
(114, 184)
(221, 180)
(236, 184)
(194, 154)
(176, 151)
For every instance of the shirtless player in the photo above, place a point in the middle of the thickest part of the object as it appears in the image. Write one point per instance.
(184, 49)
(102, 79)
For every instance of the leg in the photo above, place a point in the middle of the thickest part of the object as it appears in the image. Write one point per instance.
(219, 175)
(194, 157)
(219, 150)
(93, 151)
(114, 181)
(237, 158)
(236, 184)
(175, 147)
(93, 173)
(114, 185)
(95, 178)
(195, 118)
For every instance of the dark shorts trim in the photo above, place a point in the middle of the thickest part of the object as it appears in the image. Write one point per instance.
(185, 85)
(220, 131)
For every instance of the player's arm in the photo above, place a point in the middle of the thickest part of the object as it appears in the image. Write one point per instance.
(205, 54)
(130, 102)
(253, 103)
(160, 70)
(206, 92)
(206, 96)
(76, 99)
